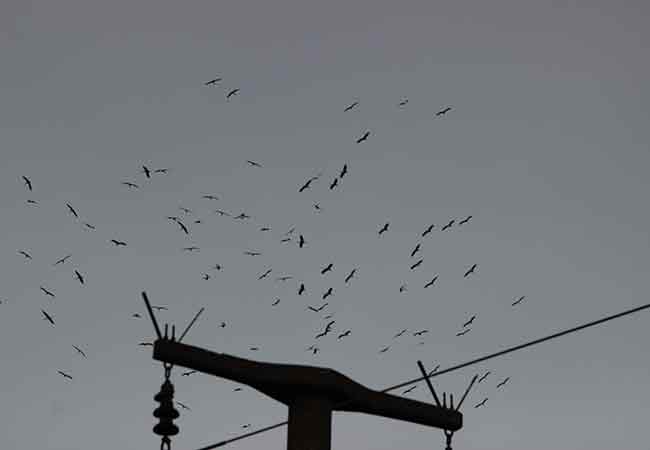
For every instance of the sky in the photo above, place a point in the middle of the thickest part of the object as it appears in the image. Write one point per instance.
(546, 147)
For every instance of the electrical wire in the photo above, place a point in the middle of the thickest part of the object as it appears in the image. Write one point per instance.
(450, 369)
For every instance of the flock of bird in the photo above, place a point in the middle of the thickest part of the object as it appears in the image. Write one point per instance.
(292, 235)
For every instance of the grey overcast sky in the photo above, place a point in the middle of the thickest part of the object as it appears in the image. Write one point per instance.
(546, 146)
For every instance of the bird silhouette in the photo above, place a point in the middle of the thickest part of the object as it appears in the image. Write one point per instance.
(326, 269)
(307, 184)
(484, 376)
(446, 227)
(403, 102)
(470, 321)
(417, 264)
(327, 293)
(460, 333)
(32, 202)
(146, 344)
(344, 171)
(206, 276)
(253, 163)
(210, 197)
(159, 308)
(28, 182)
(47, 317)
(246, 426)
(409, 390)
(163, 171)
(301, 289)
(188, 373)
(319, 309)
(516, 302)
(428, 230)
(415, 250)
(465, 220)
(89, 226)
(352, 105)
(237, 389)
(182, 405)
(503, 382)
(79, 277)
(231, 93)
(334, 183)
(329, 316)
(254, 349)
(383, 229)
(430, 283)
(213, 81)
(192, 248)
(384, 350)
(65, 374)
(81, 352)
(217, 267)
(25, 254)
(420, 333)
(470, 270)
(284, 278)
(265, 274)
(48, 293)
(481, 403)
(251, 253)
(243, 216)
(350, 275)
(277, 300)
(400, 333)
(185, 210)
(402, 288)
(118, 243)
(183, 227)
(146, 171)
(72, 210)
(443, 111)
(344, 334)
(62, 260)
(286, 240)
(136, 315)
(131, 185)
(364, 137)
(328, 328)
(223, 325)
(301, 241)
(222, 213)
(317, 207)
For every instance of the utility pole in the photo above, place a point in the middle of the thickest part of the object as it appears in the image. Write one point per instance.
(311, 393)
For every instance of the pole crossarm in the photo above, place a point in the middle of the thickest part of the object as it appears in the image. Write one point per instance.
(287, 383)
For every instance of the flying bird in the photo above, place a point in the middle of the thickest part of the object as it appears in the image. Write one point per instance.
(146, 344)
(28, 182)
(246, 426)
(384, 350)
(72, 210)
(484, 376)
(400, 333)
(326, 269)
(47, 317)
(344, 171)
(334, 183)
(446, 227)
(481, 404)
(32, 202)
(62, 260)
(319, 309)
(350, 275)
(277, 300)
(265, 229)
(185, 210)
(65, 374)
(265, 274)
(231, 93)
(503, 382)
(183, 227)
(251, 253)
(223, 325)
(136, 315)
(402, 288)
(159, 308)
(79, 276)
(253, 163)
(131, 185)
(301, 289)
(163, 171)
(182, 405)
(417, 264)
(301, 241)
(118, 243)
(352, 105)
(420, 333)
(222, 213)
(237, 389)
(284, 278)
(317, 207)
(344, 334)
(242, 216)
(403, 102)
(217, 267)
(307, 184)
(192, 248)
(210, 197)
(465, 220)
(213, 81)
(470, 321)
(364, 137)
(254, 349)
(327, 293)
(460, 333)
(146, 171)
(81, 352)
(443, 111)
(206, 276)
(470, 270)
(25, 254)
(415, 250)
(516, 302)
(188, 373)
(89, 226)
(383, 229)
(428, 230)
(430, 283)
(328, 328)
(48, 293)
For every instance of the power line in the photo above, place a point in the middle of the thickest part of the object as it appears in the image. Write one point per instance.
(450, 369)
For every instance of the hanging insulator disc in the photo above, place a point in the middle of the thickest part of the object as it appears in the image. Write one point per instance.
(165, 428)
(166, 411)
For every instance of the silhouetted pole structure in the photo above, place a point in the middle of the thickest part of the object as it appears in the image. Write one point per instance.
(311, 393)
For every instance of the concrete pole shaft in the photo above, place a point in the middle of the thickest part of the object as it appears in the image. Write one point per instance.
(310, 423)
